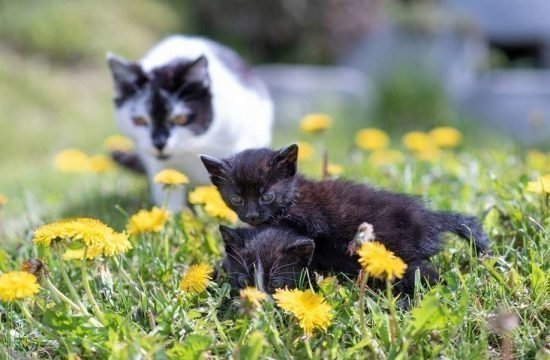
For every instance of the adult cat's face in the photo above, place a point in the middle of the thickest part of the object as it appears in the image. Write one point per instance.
(266, 257)
(258, 184)
(164, 108)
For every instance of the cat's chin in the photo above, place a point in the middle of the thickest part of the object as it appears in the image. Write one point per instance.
(163, 157)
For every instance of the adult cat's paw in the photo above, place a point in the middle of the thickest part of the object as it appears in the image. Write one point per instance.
(128, 160)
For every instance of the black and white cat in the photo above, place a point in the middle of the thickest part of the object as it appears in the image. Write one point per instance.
(189, 96)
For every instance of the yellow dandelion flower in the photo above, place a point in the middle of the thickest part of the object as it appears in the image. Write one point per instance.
(220, 210)
(99, 238)
(313, 123)
(71, 160)
(418, 141)
(100, 164)
(379, 262)
(171, 177)
(251, 295)
(45, 234)
(214, 206)
(305, 151)
(309, 308)
(334, 169)
(540, 186)
(384, 157)
(18, 285)
(73, 254)
(203, 194)
(371, 139)
(3, 200)
(118, 143)
(196, 278)
(446, 137)
(116, 243)
(148, 221)
(538, 160)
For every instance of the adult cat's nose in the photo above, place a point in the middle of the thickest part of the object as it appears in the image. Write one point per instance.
(159, 142)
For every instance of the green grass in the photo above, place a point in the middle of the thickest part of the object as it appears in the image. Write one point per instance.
(156, 320)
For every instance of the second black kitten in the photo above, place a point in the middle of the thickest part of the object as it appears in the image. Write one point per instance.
(262, 187)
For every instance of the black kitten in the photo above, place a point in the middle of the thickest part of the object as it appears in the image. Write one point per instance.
(266, 257)
(262, 186)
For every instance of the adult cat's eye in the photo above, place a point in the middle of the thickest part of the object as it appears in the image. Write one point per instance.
(139, 121)
(236, 200)
(179, 119)
(243, 280)
(267, 197)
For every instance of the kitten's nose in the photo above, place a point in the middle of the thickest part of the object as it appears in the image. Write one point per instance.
(253, 218)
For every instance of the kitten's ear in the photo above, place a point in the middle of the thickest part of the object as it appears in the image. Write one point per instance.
(302, 248)
(231, 238)
(127, 76)
(286, 160)
(198, 71)
(216, 168)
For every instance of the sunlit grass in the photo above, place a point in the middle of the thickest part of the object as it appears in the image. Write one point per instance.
(145, 311)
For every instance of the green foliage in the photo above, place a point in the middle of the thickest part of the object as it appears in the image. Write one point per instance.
(147, 315)
(411, 100)
(72, 31)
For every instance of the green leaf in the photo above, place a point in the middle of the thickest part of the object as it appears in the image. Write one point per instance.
(539, 283)
(491, 221)
(192, 348)
(253, 347)
(431, 314)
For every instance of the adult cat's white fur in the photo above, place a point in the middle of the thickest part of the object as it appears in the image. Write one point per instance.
(242, 117)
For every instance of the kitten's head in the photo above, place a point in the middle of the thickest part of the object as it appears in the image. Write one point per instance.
(258, 184)
(266, 257)
(162, 109)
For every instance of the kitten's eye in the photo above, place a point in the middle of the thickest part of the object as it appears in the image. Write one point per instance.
(236, 200)
(277, 283)
(179, 120)
(243, 281)
(267, 198)
(139, 121)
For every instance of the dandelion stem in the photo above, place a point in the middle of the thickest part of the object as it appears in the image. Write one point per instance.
(393, 316)
(363, 283)
(89, 293)
(64, 298)
(133, 285)
(68, 282)
(308, 349)
(60, 295)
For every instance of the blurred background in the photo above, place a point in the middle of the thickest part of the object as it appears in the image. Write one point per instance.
(481, 65)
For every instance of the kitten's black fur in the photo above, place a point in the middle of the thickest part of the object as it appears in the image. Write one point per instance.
(262, 186)
(266, 257)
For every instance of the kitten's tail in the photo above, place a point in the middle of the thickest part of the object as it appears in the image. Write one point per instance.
(128, 160)
(466, 227)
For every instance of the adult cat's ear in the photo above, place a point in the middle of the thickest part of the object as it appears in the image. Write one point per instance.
(301, 248)
(215, 167)
(285, 160)
(231, 238)
(128, 76)
(197, 71)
